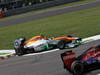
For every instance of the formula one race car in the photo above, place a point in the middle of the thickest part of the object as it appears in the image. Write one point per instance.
(41, 43)
(88, 61)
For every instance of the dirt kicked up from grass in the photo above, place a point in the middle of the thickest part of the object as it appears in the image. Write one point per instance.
(82, 23)
(3, 53)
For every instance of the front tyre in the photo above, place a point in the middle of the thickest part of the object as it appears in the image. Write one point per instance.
(78, 41)
(77, 68)
(61, 44)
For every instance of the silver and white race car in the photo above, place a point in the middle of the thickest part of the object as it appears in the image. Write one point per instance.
(40, 43)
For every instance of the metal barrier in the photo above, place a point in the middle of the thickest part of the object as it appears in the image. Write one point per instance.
(37, 6)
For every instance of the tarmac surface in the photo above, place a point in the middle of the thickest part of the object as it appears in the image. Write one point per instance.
(44, 64)
(50, 13)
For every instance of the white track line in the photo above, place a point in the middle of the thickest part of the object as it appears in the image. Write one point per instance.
(7, 51)
(42, 52)
(93, 38)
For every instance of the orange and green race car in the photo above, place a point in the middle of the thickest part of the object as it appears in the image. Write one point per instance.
(41, 43)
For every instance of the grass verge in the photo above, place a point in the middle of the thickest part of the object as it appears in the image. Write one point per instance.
(81, 23)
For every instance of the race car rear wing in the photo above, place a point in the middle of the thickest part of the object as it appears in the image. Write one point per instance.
(68, 53)
(68, 57)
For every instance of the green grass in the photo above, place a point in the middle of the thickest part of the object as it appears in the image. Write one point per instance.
(46, 9)
(81, 23)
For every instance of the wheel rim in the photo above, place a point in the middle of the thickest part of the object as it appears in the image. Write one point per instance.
(61, 45)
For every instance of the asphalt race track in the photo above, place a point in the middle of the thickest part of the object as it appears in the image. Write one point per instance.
(50, 13)
(44, 64)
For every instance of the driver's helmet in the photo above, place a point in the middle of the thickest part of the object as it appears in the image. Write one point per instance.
(44, 37)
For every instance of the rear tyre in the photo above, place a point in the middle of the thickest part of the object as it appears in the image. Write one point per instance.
(77, 68)
(18, 45)
(19, 51)
(61, 44)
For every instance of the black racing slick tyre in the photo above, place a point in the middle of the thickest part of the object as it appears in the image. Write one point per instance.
(77, 68)
(61, 44)
(19, 51)
(18, 45)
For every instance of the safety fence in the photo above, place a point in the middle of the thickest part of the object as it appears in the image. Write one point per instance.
(34, 7)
